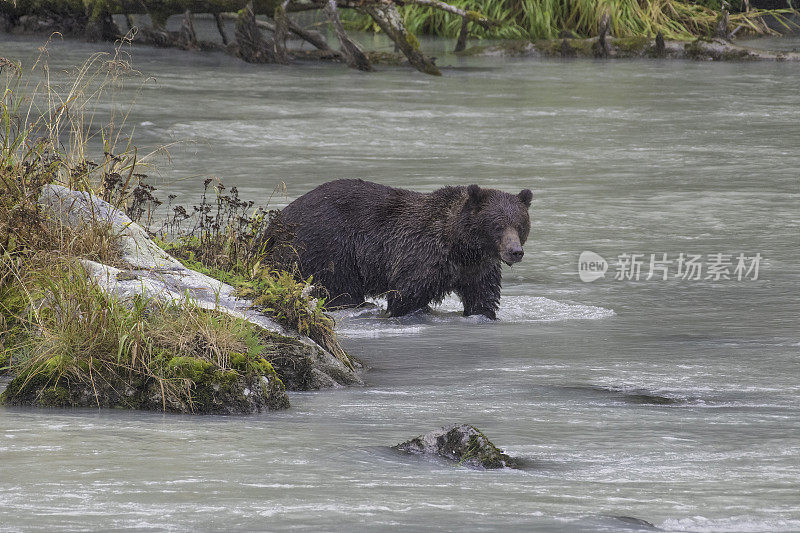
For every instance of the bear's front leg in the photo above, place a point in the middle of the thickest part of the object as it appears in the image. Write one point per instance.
(481, 294)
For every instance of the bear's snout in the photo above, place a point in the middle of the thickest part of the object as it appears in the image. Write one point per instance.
(512, 254)
(510, 248)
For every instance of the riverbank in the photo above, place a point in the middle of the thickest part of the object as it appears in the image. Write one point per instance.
(262, 33)
(631, 48)
(94, 313)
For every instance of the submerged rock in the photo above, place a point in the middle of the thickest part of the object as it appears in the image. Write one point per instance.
(631, 522)
(463, 444)
(632, 396)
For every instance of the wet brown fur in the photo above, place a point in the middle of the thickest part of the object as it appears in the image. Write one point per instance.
(361, 239)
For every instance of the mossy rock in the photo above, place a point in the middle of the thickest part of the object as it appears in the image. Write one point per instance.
(695, 50)
(386, 58)
(208, 389)
(734, 54)
(716, 50)
(46, 390)
(234, 391)
(582, 47)
(516, 48)
(302, 367)
(462, 444)
(228, 392)
(510, 48)
(637, 46)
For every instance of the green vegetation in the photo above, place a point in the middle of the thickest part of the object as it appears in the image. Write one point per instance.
(277, 292)
(550, 19)
(66, 341)
(228, 244)
(79, 346)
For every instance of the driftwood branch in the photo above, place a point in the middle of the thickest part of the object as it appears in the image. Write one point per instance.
(187, 35)
(601, 46)
(659, 47)
(221, 28)
(391, 22)
(315, 38)
(461, 44)
(279, 36)
(722, 24)
(353, 54)
(251, 45)
(471, 16)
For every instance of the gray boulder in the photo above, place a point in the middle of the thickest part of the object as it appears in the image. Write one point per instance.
(463, 444)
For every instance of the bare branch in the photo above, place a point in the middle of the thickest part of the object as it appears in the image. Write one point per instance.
(471, 16)
(279, 37)
(220, 28)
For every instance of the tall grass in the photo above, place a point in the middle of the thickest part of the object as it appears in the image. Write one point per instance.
(67, 341)
(548, 19)
(44, 132)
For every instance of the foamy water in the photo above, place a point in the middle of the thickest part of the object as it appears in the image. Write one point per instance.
(372, 323)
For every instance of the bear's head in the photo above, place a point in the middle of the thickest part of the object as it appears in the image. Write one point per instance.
(503, 221)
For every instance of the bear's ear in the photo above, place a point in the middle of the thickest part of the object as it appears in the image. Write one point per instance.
(525, 196)
(474, 194)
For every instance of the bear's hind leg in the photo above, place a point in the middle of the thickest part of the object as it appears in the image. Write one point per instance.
(343, 301)
(399, 306)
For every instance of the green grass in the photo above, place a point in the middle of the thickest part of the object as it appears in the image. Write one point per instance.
(291, 300)
(76, 345)
(549, 19)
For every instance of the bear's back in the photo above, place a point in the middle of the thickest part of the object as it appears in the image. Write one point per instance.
(352, 204)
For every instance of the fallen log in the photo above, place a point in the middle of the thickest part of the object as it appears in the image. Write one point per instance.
(279, 35)
(315, 38)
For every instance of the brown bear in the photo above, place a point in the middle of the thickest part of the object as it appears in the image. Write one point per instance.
(359, 239)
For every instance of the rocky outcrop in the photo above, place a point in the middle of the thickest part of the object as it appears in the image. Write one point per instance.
(462, 444)
(148, 271)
